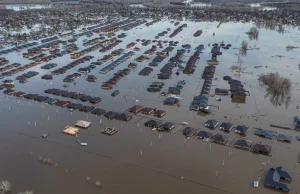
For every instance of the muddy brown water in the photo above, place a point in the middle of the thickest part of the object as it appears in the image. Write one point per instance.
(136, 160)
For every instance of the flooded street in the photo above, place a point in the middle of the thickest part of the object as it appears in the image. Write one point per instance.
(137, 159)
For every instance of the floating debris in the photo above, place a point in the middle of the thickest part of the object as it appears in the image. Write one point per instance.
(98, 184)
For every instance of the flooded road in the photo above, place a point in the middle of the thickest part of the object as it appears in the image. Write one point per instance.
(137, 159)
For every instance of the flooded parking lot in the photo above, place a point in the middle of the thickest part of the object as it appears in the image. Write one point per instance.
(137, 159)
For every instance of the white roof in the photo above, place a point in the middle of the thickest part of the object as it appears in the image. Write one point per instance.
(83, 124)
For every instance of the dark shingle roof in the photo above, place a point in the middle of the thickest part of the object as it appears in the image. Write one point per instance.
(261, 149)
(218, 138)
(153, 123)
(87, 108)
(242, 143)
(189, 131)
(98, 111)
(167, 126)
(211, 123)
(123, 117)
(226, 126)
(111, 115)
(204, 134)
(200, 97)
(241, 129)
(159, 113)
(136, 108)
(74, 105)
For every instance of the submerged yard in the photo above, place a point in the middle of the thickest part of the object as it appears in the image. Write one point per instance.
(137, 159)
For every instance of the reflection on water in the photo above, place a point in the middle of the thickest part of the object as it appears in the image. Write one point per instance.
(116, 161)
(253, 33)
(137, 5)
(257, 5)
(200, 5)
(278, 88)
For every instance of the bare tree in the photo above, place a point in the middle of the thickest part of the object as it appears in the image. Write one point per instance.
(5, 187)
(253, 33)
(244, 48)
(278, 88)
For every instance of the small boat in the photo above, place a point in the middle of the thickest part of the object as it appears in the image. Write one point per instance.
(44, 135)
(256, 183)
(115, 93)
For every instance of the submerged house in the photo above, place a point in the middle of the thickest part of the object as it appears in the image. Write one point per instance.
(171, 101)
(98, 111)
(219, 91)
(241, 129)
(297, 123)
(261, 149)
(106, 86)
(51, 101)
(123, 117)
(160, 113)
(174, 90)
(284, 138)
(110, 115)
(95, 100)
(220, 139)
(148, 110)
(201, 97)
(226, 126)
(238, 95)
(82, 124)
(204, 135)
(136, 109)
(167, 126)
(74, 106)
(264, 133)
(70, 130)
(274, 177)
(243, 144)
(20, 94)
(189, 131)
(211, 124)
(9, 92)
(86, 108)
(153, 123)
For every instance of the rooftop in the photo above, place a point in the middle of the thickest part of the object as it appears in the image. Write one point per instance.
(70, 130)
(82, 124)
(275, 175)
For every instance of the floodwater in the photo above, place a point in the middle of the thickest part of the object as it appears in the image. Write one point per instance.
(26, 7)
(137, 159)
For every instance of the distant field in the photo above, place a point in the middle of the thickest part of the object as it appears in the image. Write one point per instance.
(23, 1)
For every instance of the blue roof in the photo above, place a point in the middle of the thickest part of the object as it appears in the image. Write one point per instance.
(284, 137)
(273, 178)
(264, 133)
